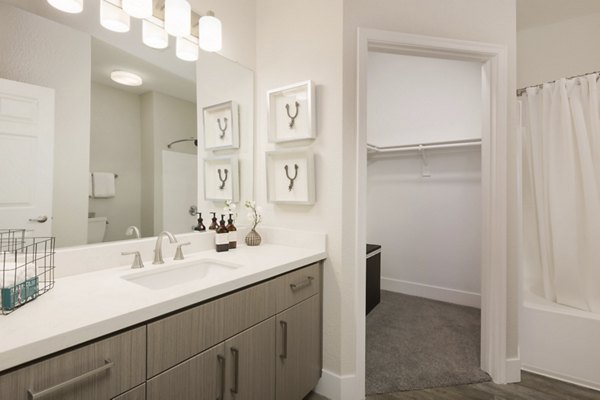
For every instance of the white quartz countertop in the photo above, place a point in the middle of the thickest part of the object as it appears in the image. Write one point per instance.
(87, 306)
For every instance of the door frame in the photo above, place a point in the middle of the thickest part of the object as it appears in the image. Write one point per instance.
(494, 181)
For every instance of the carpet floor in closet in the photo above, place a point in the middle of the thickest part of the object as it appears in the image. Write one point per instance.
(415, 343)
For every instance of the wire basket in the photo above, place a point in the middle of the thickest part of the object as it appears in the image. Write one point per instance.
(26, 268)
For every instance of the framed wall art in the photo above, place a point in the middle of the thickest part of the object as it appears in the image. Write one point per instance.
(221, 126)
(291, 176)
(292, 113)
(221, 179)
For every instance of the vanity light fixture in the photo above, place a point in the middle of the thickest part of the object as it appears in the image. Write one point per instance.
(178, 17)
(210, 35)
(154, 36)
(126, 78)
(138, 8)
(186, 50)
(113, 18)
(68, 6)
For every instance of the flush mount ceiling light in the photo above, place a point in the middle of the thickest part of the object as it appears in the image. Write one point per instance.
(113, 18)
(138, 8)
(126, 78)
(154, 36)
(186, 50)
(69, 6)
(210, 32)
(178, 17)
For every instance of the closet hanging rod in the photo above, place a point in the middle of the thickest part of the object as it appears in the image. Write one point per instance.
(424, 146)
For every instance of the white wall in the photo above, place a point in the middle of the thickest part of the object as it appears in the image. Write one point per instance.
(44, 53)
(115, 146)
(561, 49)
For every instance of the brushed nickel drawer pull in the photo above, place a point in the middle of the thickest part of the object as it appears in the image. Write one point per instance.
(222, 386)
(236, 369)
(283, 354)
(301, 285)
(108, 364)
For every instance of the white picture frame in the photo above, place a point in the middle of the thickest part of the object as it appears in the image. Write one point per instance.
(294, 184)
(221, 179)
(292, 113)
(221, 126)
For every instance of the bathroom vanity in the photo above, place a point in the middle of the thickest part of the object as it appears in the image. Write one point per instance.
(253, 332)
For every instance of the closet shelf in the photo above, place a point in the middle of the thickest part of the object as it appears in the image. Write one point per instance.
(424, 146)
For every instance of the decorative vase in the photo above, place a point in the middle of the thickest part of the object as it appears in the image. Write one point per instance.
(253, 238)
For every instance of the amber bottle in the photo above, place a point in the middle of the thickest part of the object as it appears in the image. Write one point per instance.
(213, 226)
(222, 236)
(232, 233)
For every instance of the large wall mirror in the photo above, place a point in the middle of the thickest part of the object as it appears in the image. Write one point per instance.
(118, 155)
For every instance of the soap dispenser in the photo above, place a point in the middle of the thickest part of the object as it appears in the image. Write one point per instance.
(200, 227)
(232, 233)
(222, 236)
(213, 226)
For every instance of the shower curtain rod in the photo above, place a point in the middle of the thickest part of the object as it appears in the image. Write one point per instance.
(183, 140)
(424, 146)
(540, 85)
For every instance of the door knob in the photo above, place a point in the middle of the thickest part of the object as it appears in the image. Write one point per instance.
(41, 219)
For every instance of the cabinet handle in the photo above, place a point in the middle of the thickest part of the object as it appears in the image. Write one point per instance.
(302, 284)
(222, 365)
(108, 364)
(236, 369)
(283, 354)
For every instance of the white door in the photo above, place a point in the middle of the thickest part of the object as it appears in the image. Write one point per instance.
(26, 157)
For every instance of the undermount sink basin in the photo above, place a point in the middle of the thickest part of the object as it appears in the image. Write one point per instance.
(161, 277)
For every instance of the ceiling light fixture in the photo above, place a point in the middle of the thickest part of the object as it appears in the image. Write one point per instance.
(68, 6)
(113, 18)
(186, 50)
(138, 8)
(126, 78)
(178, 17)
(154, 36)
(210, 32)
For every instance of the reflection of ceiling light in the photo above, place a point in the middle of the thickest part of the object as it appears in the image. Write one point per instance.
(113, 18)
(70, 6)
(154, 36)
(186, 50)
(210, 36)
(138, 8)
(126, 78)
(178, 17)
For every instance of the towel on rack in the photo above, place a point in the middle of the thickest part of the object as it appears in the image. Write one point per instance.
(103, 184)
(90, 186)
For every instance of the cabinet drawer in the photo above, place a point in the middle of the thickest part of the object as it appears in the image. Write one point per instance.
(297, 286)
(139, 393)
(180, 336)
(101, 370)
(248, 307)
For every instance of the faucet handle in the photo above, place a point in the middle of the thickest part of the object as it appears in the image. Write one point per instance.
(179, 252)
(137, 260)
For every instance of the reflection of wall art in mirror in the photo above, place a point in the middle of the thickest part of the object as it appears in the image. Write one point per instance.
(221, 179)
(221, 126)
(291, 176)
(292, 113)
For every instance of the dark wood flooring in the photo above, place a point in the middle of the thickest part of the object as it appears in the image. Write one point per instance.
(531, 387)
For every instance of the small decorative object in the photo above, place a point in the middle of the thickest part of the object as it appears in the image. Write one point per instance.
(221, 126)
(221, 179)
(253, 238)
(291, 176)
(292, 113)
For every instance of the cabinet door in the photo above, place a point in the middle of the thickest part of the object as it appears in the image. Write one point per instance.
(139, 393)
(200, 378)
(299, 349)
(251, 363)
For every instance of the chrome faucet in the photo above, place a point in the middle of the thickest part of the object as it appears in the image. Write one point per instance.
(158, 258)
(133, 229)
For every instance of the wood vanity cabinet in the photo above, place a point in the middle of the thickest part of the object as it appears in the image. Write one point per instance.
(262, 342)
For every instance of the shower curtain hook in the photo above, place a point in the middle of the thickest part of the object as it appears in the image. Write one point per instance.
(424, 170)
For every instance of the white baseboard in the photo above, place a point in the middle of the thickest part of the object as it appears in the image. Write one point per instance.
(562, 377)
(513, 370)
(432, 292)
(338, 387)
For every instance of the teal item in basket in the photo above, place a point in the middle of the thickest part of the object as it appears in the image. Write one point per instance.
(21, 293)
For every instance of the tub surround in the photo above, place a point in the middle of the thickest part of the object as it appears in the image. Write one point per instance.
(90, 298)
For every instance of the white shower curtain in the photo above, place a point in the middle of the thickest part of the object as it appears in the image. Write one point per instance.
(561, 154)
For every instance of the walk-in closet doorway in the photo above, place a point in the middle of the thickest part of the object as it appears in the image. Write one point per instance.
(497, 358)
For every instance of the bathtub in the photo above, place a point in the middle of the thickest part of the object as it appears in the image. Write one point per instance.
(559, 341)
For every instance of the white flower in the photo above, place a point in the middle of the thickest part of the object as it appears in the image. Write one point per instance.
(251, 217)
(259, 210)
